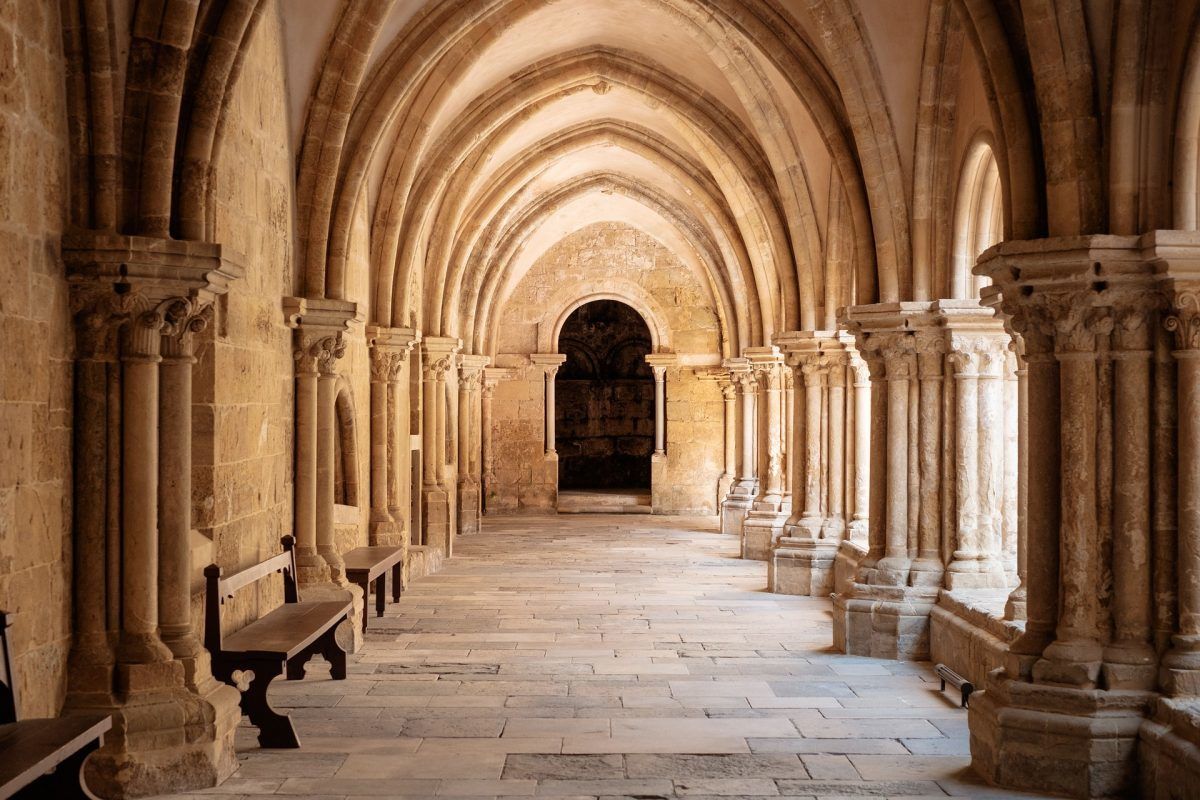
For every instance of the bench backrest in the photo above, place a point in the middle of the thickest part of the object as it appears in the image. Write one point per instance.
(217, 588)
(8, 683)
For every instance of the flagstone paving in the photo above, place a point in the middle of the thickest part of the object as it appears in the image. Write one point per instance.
(610, 656)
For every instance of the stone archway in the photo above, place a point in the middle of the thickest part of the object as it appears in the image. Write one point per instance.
(604, 422)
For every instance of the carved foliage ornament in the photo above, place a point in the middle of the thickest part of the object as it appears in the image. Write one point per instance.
(1184, 322)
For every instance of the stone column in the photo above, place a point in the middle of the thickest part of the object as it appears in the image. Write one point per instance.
(390, 462)
(1077, 688)
(769, 512)
(139, 641)
(438, 357)
(927, 568)
(491, 377)
(1016, 607)
(469, 444)
(1181, 664)
(549, 364)
(327, 432)
(137, 301)
(862, 449)
(900, 363)
(729, 396)
(803, 558)
(660, 411)
(175, 575)
(737, 504)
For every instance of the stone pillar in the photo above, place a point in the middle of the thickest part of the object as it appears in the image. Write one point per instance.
(439, 356)
(138, 301)
(469, 444)
(549, 364)
(327, 433)
(660, 411)
(745, 488)
(803, 558)
(487, 395)
(175, 488)
(1074, 708)
(729, 475)
(390, 462)
(770, 510)
(659, 363)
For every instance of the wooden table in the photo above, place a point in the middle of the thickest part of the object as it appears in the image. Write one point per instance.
(367, 564)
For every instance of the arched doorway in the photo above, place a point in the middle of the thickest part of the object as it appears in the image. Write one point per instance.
(604, 415)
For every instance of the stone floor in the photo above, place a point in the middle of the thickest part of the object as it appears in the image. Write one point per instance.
(602, 656)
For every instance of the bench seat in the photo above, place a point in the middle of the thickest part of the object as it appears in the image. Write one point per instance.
(47, 754)
(367, 565)
(287, 631)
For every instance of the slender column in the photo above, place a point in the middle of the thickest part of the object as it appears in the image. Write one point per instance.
(140, 358)
(1131, 555)
(813, 373)
(660, 410)
(464, 424)
(487, 397)
(835, 519)
(729, 395)
(1012, 472)
(965, 560)
(385, 368)
(1182, 662)
(893, 568)
(95, 357)
(789, 437)
(1016, 607)
(927, 567)
(772, 461)
(326, 469)
(175, 484)
(748, 387)
(878, 461)
(993, 358)
(429, 412)
(862, 450)
(441, 411)
(551, 411)
(1074, 656)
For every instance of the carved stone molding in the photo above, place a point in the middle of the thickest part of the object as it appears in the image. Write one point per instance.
(1184, 319)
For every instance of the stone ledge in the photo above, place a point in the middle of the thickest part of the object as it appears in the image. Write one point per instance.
(969, 634)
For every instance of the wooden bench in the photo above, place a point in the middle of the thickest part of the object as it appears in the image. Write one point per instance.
(365, 565)
(42, 757)
(286, 638)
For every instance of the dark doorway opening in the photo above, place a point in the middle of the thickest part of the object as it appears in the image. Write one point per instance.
(604, 398)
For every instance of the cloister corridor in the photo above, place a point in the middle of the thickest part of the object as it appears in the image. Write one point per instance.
(610, 656)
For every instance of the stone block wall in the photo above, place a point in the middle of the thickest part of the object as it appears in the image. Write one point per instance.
(687, 482)
(524, 480)
(244, 383)
(36, 371)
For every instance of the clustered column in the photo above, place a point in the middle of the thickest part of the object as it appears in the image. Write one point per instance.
(803, 559)
(768, 512)
(390, 460)
(1088, 685)
(439, 357)
(469, 443)
(942, 482)
(745, 488)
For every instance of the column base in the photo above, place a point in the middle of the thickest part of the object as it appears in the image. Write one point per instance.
(884, 621)
(435, 511)
(724, 485)
(385, 532)
(801, 567)
(1074, 742)
(164, 738)
(761, 528)
(733, 513)
(468, 508)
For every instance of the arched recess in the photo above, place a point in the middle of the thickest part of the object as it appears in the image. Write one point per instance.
(345, 454)
(605, 407)
(978, 216)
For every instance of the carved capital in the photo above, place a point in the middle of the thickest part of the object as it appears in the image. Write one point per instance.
(931, 349)
(317, 353)
(437, 368)
(386, 364)
(1184, 319)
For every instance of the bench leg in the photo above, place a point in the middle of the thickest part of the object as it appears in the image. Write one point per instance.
(66, 781)
(380, 597)
(397, 582)
(328, 646)
(274, 729)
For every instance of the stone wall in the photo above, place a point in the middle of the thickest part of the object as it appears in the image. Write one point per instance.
(35, 381)
(617, 261)
(244, 385)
